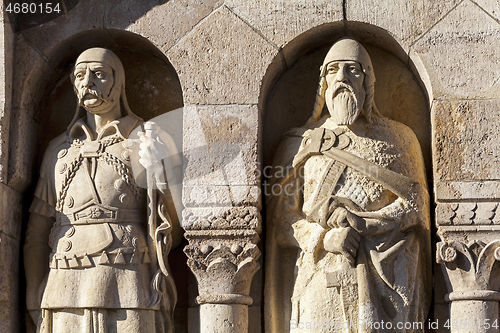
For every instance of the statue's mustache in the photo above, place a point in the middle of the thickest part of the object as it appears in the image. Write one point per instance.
(338, 87)
(84, 91)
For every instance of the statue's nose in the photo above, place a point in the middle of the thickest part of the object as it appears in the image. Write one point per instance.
(86, 80)
(341, 75)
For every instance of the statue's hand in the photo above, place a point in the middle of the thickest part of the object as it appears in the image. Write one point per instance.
(343, 241)
(341, 217)
(152, 152)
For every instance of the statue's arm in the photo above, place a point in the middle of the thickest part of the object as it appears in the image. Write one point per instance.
(36, 257)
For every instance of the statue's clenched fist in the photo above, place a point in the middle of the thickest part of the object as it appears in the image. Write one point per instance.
(343, 240)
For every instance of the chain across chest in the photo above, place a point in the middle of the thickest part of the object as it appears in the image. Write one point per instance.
(90, 153)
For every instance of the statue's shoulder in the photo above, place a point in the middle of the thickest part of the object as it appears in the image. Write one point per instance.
(396, 132)
(289, 146)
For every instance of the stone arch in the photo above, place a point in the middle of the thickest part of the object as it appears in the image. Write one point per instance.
(402, 92)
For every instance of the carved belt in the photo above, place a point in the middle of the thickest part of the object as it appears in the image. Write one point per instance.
(97, 214)
(120, 256)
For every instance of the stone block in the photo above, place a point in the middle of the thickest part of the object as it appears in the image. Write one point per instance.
(9, 283)
(461, 54)
(280, 21)
(492, 7)
(467, 190)
(404, 20)
(466, 140)
(10, 212)
(163, 25)
(220, 195)
(120, 14)
(85, 15)
(222, 61)
(220, 145)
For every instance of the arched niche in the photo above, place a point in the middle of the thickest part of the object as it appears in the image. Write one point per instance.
(49, 102)
(289, 88)
(151, 82)
(291, 82)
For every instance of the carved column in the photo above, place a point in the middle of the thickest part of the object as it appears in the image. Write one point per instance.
(469, 252)
(222, 253)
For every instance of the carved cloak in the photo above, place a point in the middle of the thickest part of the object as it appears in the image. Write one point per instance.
(393, 268)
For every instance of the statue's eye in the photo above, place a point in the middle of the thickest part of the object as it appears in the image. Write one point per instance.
(100, 75)
(79, 76)
(354, 70)
(333, 70)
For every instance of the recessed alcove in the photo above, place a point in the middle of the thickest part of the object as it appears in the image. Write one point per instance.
(287, 98)
(49, 102)
(291, 82)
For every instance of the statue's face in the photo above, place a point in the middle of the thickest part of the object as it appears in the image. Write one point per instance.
(93, 84)
(345, 94)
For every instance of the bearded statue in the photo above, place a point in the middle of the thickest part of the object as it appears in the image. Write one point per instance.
(348, 238)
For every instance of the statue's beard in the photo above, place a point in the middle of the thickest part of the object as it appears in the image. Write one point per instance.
(344, 104)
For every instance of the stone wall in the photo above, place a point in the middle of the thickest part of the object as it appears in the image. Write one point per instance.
(234, 62)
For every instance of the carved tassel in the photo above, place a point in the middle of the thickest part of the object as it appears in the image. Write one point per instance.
(103, 259)
(63, 263)
(86, 261)
(146, 259)
(53, 263)
(119, 259)
(73, 263)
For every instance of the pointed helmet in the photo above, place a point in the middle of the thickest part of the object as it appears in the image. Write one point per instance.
(348, 49)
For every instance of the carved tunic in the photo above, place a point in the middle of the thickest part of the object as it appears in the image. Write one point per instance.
(99, 249)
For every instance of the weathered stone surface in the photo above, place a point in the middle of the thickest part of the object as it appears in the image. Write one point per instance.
(28, 86)
(10, 212)
(220, 145)
(492, 7)
(85, 15)
(215, 70)
(9, 283)
(280, 21)
(163, 24)
(405, 20)
(119, 14)
(220, 195)
(461, 53)
(466, 140)
(6, 74)
(467, 190)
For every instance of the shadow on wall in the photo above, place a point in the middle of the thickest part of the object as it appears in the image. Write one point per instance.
(45, 11)
(291, 82)
(152, 88)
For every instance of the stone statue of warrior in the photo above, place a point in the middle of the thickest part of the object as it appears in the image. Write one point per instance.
(348, 242)
(95, 258)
